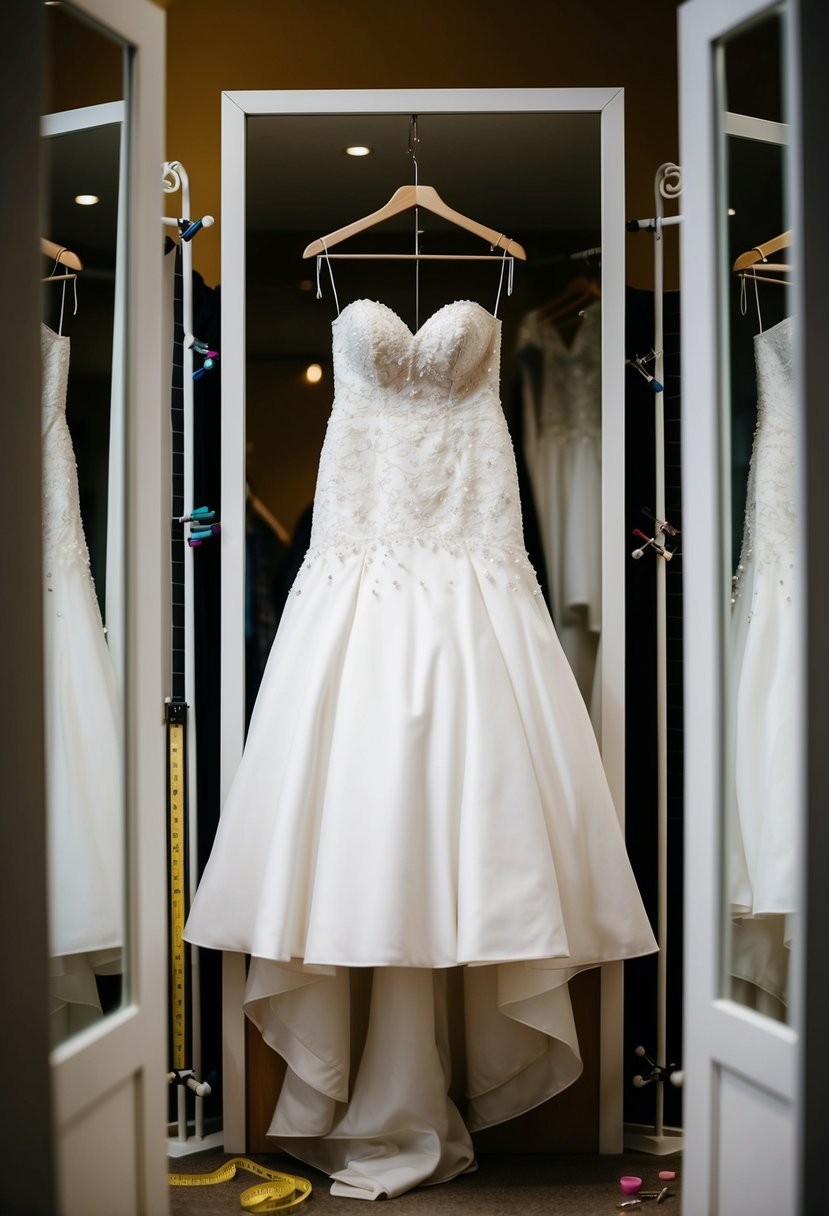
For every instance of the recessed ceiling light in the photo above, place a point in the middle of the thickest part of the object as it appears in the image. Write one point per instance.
(86, 200)
(731, 211)
(313, 373)
(358, 150)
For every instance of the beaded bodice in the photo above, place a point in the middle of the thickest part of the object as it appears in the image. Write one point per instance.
(566, 381)
(63, 535)
(770, 533)
(417, 446)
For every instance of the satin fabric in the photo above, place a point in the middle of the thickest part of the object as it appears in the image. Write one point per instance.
(421, 805)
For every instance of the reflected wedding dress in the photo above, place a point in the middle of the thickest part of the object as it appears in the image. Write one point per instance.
(84, 782)
(421, 792)
(765, 682)
(562, 399)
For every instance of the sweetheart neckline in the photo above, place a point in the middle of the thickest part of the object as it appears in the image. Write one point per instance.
(413, 334)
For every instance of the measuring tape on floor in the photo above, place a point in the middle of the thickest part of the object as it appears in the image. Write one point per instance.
(178, 980)
(277, 1194)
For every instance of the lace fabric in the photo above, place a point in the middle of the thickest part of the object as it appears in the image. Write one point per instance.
(420, 788)
(417, 447)
(770, 530)
(562, 401)
(764, 685)
(63, 536)
(84, 778)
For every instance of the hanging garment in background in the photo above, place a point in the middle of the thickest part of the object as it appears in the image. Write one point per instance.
(84, 759)
(765, 683)
(264, 555)
(421, 791)
(562, 407)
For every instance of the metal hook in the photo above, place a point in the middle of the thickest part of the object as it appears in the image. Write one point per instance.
(413, 142)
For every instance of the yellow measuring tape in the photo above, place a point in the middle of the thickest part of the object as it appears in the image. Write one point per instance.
(178, 990)
(280, 1192)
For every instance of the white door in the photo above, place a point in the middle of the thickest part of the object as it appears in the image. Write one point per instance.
(745, 607)
(107, 882)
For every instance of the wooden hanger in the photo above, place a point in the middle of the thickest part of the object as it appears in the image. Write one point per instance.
(61, 255)
(759, 254)
(578, 292)
(403, 199)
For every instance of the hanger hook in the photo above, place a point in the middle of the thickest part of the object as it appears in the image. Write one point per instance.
(413, 142)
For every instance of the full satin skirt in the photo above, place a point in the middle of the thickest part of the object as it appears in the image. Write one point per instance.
(420, 791)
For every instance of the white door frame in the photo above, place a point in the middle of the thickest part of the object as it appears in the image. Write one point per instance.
(743, 1084)
(236, 108)
(109, 1085)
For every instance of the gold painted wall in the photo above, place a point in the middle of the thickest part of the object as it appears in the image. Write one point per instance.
(216, 45)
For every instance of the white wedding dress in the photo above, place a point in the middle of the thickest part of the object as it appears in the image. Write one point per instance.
(421, 792)
(84, 759)
(562, 405)
(765, 681)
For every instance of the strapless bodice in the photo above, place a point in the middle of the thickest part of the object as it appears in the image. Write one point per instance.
(417, 443)
(376, 355)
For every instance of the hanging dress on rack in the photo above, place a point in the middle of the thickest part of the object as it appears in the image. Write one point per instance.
(765, 681)
(562, 397)
(84, 777)
(421, 812)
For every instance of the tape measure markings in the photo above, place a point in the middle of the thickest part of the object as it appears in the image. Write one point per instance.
(277, 1194)
(178, 995)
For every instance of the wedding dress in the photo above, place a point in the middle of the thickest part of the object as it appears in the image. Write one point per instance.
(421, 791)
(84, 780)
(562, 401)
(765, 681)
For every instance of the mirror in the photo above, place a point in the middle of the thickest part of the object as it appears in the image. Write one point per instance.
(542, 165)
(535, 177)
(84, 154)
(762, 576)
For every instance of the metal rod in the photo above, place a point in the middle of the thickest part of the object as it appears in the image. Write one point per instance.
(421, 257)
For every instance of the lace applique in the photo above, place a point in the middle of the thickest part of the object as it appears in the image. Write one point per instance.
(770, 534)
(417, 444)
(566, 386)
(63, 536)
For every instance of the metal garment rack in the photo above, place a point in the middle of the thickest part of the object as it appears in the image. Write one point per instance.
(181, 717)
(667, 184)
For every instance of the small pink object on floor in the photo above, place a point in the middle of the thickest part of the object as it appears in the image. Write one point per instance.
(667, 1175)
(630, 1184)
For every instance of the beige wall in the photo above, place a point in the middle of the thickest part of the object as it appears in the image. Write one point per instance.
(214, 45)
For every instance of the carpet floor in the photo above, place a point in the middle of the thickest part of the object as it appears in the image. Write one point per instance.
(524, 1184)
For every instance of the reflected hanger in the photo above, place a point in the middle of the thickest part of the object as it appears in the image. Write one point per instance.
(578, 292)
(60, 255)
(63, 257)
(757, 258)
(574, 296)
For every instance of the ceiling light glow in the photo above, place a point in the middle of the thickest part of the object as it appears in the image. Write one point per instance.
(358, 150)
(313, 373)
(86, 200)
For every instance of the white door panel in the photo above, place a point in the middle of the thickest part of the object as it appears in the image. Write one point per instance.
(742, 1054)
(109, 1085)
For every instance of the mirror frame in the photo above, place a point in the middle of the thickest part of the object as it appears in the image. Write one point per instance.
(121, 1058)
(65, 122)
(722, 1039)
(608, 104)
